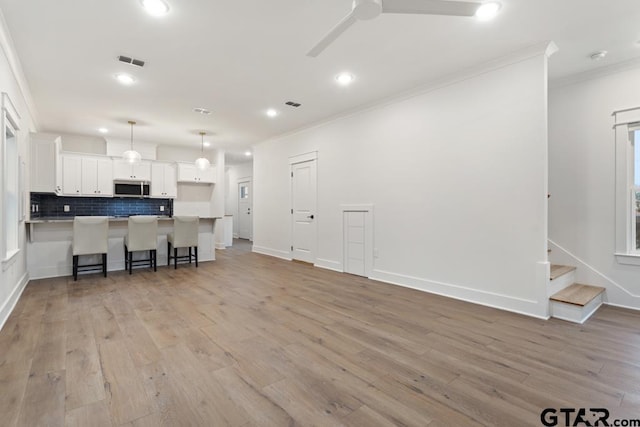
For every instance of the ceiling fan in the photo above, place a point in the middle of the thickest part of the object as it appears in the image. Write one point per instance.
(362, 10)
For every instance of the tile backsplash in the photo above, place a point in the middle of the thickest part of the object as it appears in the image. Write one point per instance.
(49, 205)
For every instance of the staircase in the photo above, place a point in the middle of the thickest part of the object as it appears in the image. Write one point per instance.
(572, 301)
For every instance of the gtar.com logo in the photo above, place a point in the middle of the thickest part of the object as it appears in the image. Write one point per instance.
(583, 417)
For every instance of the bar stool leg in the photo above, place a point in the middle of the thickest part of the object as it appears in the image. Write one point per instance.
(130, 262)
(75, 267)
(104, 264)
(126, 255)
(189, 254)
(168, 253)
(155, 260)
(196, 250)
(175, 258)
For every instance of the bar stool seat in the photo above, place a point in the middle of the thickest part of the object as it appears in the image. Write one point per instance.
(90, 237)
(142, 235)
(184, 235)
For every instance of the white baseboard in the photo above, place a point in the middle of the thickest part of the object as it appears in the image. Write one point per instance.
(329, 265)
(272, 252)
(574, 313)
(503, 302)
(11, 302)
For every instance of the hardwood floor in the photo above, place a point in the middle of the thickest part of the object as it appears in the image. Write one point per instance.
(250, 340)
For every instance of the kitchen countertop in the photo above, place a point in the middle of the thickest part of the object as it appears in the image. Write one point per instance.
(53, 219)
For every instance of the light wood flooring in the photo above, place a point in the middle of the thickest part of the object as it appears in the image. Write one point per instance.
(250, 340)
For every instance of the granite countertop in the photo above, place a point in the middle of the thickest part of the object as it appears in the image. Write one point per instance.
(52, 219)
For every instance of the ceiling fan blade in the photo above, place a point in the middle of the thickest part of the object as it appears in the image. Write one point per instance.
(430, 7)
(335, 32)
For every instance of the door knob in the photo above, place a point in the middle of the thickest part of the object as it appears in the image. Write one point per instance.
(310, 216)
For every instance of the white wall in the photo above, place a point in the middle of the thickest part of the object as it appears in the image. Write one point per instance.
(235, 174)
(13, 275)
(582, 180)
(457, 177)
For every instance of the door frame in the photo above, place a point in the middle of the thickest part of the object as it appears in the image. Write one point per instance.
(243, 180)
(301, 158)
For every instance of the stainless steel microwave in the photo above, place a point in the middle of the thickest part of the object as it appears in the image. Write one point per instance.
(131, 189)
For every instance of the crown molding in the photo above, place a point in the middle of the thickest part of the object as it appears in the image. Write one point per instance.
(594, 74)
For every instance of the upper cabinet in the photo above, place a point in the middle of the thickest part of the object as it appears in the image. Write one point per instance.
(163, 180)
(86, 176)
(188, 172)
(71, 175)
(97, 176)
(46, 171)
(125, 171)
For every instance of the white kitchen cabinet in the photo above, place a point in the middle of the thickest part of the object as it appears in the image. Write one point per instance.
(97, 176)
(188, 172)
(71, 175)
(163, 180)
(46, 172)
(125, 171)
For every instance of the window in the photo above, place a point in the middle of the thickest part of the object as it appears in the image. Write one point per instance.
(10, 181)
(244, 191)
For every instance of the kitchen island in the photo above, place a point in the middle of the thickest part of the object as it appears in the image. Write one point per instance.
(49, 244)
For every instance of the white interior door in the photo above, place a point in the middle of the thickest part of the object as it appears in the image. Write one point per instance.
(244, 210)
(303, 198)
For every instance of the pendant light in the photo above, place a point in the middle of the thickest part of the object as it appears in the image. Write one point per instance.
(202, 162)
(132, 156)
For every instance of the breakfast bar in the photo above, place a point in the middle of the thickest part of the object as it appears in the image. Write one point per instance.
(49, 244)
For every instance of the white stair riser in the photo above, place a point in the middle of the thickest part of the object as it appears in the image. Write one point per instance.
(575, 313)
(559, 283)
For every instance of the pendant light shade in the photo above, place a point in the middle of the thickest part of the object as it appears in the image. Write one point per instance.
(202, 162)
(131, 155)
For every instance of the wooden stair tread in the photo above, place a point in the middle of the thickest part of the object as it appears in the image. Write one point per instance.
(558, 270)
(577, 294)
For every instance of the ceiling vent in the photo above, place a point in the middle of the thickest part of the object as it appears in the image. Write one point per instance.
(132, 61)
(292, 104)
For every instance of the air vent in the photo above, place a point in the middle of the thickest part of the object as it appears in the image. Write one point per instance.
(293, 104)
(131, 61)
(203, 111)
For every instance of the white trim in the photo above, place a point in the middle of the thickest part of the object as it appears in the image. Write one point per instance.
(574, 313)
(10, 303)
(10, 259)
(7, 46)
(628, 259)
(328, 264)
(301, 158)
(490, 299)
(286, 255)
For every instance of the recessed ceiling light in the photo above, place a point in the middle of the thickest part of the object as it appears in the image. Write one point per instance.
(488, 10)
(247, 153)
(206, 143)
(597, 56)
(103, 130)
(345, 79)
(125, 79)
(271, 112)
(201, 110)
(155, 7)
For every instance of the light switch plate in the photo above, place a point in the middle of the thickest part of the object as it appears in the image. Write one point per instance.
(66, 208)
(161, 208)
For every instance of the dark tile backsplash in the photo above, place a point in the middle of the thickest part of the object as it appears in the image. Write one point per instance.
(50, 205)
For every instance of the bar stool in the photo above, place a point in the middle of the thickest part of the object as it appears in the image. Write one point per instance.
(184, 235)
(90, 237)
(142, 235)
